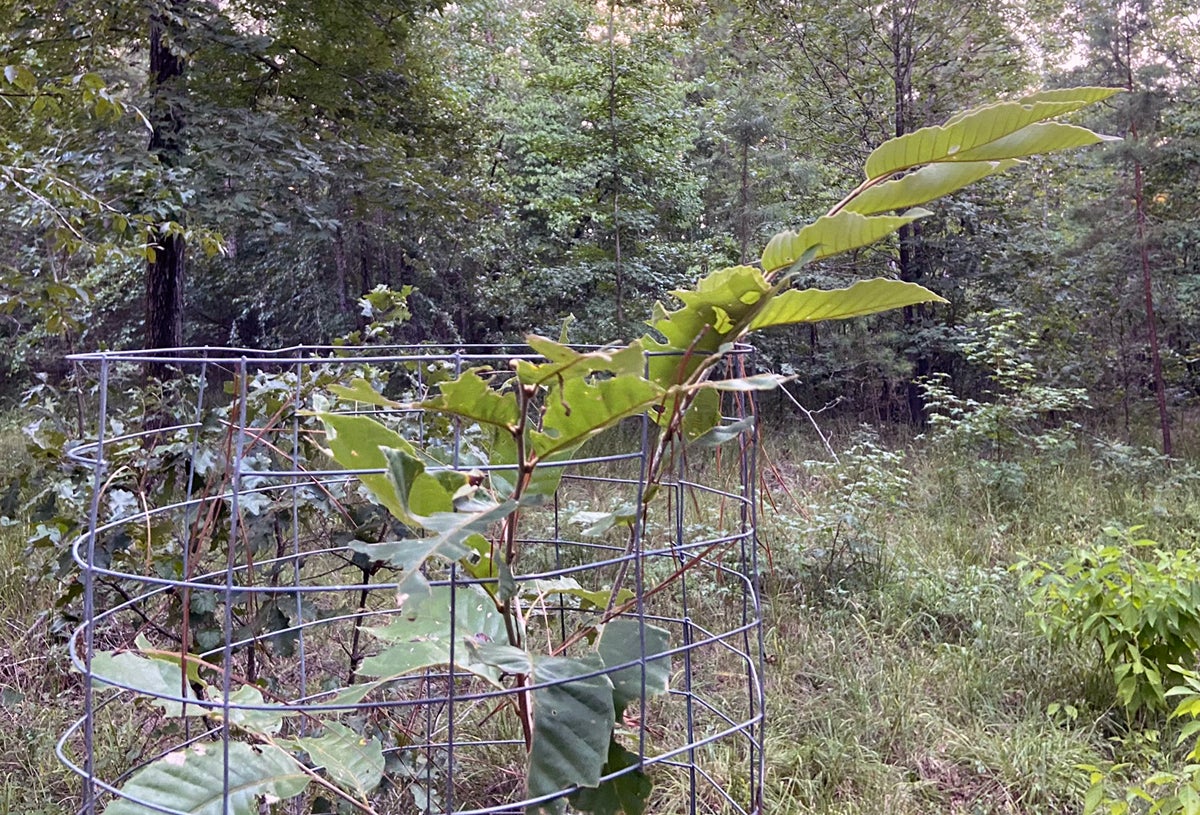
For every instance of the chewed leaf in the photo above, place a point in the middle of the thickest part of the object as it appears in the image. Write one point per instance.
(193, 781)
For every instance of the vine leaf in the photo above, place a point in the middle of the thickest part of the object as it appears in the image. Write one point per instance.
(192, 781)
(626, 793)
(621, 644)
(572, 722)
(154, 678)
(864, 297)
(352, 762)
(832, 235)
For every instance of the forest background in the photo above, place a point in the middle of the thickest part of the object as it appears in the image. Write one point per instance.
(265, 173)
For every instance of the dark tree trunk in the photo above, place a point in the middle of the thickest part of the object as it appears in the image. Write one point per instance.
(165, 267)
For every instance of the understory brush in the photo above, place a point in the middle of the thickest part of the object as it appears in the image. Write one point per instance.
(911, 674)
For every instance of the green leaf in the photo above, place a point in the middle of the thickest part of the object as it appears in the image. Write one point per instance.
(924, 185)
(621, 642)
(960, 137)
(472, 398)
(570, 586)
(832, 235)
(745, 384)
(352, 762)
(723, 433)
(154, 678)
(577, 409)
(627, 793)
(356, 443)
(572, 727)
(192, 781)
(264, 722)
(864, 297)
(361, 391)
(564, 361)
(454, 529)
(735, 290)
(1033, 140)
(20, 78)
(420, 493)
(422, 635)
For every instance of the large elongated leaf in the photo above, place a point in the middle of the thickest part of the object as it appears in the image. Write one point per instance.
(572, 725)
(562, 361)
(352, 762)
(1033, 140)
(192, 781)
(924, 185)
(621, 643)
(155, 678)
(1081, 96)
(420, 637)
(973, 130)
(451, 541)
(831, 235)
(864, 297)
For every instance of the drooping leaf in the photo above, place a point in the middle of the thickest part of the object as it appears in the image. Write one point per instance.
(265, 721)
(627, 793)
(353, 763)
(357, 443)
(419, 492)
(572, 725)
(192, 781)
(723, 433)
(864, 297)
(153, 678)
(953, 141)
(621, 643)
(570, 586)
(471, 397)
(924, 185)
(832, 235)
(451, 542)
(745, 384)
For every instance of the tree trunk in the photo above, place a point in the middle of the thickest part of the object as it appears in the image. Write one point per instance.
(165, 266)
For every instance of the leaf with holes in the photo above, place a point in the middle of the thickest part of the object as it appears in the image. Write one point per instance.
(352, 762)
(192, 781)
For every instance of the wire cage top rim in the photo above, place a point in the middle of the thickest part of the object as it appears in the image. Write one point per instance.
(348, 354)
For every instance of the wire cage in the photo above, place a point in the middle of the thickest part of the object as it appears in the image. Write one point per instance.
(237, 621)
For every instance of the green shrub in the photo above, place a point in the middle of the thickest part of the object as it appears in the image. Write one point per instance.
(1139, 601)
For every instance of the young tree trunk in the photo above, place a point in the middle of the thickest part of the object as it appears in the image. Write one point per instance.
(165, 267)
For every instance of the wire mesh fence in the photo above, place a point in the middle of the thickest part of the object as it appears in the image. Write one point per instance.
(249, 642)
